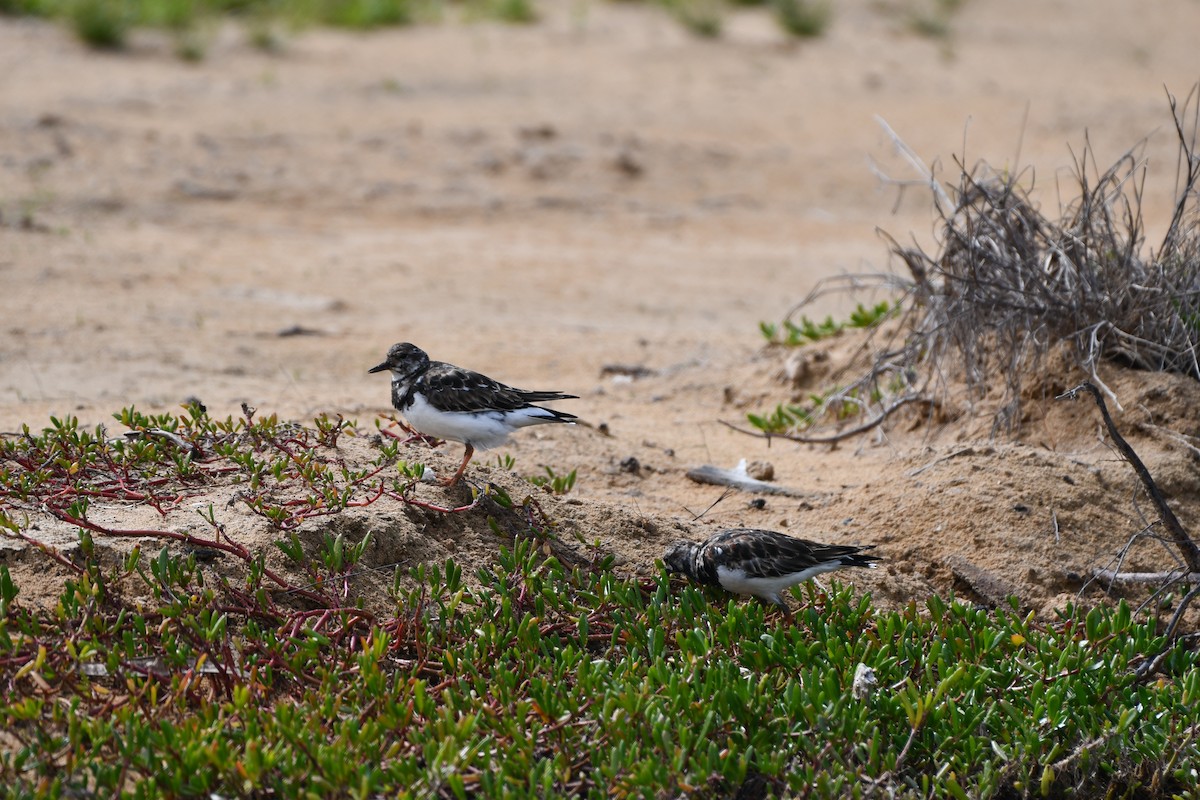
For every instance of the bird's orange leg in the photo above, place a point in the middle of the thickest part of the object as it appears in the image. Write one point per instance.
(456, 477)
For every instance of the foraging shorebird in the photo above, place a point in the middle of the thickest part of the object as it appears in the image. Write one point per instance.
(449, 402)
(749, 561)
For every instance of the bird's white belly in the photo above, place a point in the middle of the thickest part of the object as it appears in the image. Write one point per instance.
(738, 582)
(482, 430)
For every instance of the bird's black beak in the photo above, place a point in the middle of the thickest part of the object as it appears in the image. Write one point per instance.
(379, 367)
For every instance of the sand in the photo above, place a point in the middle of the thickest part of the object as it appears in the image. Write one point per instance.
(542, 203)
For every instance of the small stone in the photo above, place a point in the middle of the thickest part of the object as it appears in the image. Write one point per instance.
(796, 369)
(864, 682)
(761, 470)
(628, 164)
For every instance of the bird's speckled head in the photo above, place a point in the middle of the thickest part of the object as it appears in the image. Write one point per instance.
(404, 360)
(680, 557)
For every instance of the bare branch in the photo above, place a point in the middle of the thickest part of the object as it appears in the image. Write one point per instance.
(919, 166)
(1187, 547)
(1112, 576)
(835, 437)
(1150, 667)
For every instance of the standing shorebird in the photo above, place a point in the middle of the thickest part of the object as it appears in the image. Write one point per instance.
(749, 561)
(449, 402)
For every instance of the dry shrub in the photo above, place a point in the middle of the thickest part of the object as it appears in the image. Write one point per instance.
(1008, 283)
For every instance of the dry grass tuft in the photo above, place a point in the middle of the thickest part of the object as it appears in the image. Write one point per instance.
(1009, 286)
(1008, 283)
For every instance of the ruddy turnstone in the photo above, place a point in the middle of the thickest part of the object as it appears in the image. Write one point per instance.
(750, 561)
(449, 402)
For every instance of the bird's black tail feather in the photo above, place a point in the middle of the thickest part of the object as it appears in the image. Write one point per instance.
(860, 559)
(556, 416)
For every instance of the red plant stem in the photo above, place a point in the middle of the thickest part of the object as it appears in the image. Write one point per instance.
(228, 547)
(432, 507)
(378, 494)
(321, 510)
(51, 552)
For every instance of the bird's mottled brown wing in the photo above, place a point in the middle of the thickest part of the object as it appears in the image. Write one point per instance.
(452, 388)
(770, 554)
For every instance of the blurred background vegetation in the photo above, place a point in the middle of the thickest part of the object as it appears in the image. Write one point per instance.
(107, 24)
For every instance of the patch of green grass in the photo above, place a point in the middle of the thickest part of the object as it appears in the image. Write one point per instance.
(22, 8)
(365, 14)
(794, 417)
(785, 417)
(792, 334)
(153, 670)
(511, 11)
(704, 18)
(107, 23)
(174, 15)
(839, 403)
(550, 681)
(285, 473)
(803, 18)
(553, 482)
(932, 19)
(103, 24)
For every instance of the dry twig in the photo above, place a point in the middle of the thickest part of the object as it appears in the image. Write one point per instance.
(1187, 547)
(1173, 576)
(834, 437)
